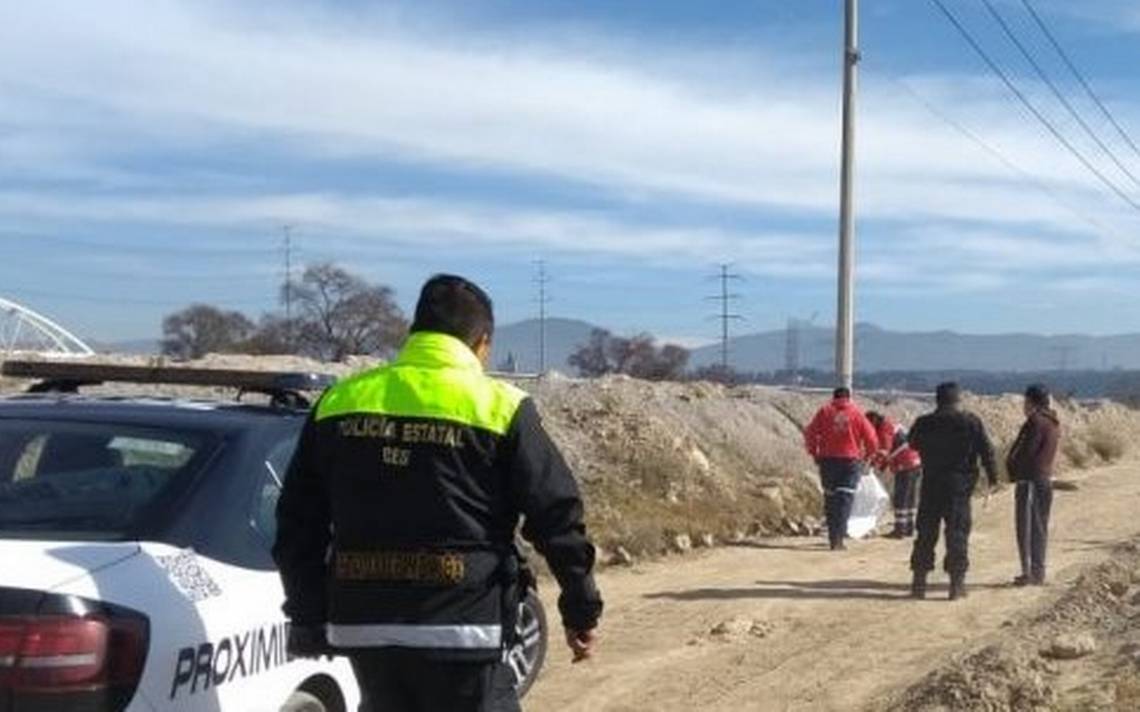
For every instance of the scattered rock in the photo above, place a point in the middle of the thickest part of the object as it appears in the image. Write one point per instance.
(733, 627)
(700, 460)
(1065, 486)
(682, 543)
(706, 540)
(740, 627)
(792, 526)
(621, 557)
(1119, 587)
(773, 494)
(1071, 646)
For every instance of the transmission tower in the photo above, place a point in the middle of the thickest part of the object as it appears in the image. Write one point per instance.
(541, 280)
(792, 347)
(287, 290)
(1064, 355)
(727, 299)
(793, 342)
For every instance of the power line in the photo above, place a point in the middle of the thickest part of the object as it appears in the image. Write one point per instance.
(726, 316)
(995, 153)
(997, 70)
(541, 280)
(1008, 31)
(1080, 77)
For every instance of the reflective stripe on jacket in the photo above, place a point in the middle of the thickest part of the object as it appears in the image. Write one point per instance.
(396, 523)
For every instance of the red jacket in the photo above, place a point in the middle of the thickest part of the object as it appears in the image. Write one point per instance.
(898, 454)
(840, 430)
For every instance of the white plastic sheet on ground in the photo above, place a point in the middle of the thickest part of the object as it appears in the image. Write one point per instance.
(871, 502)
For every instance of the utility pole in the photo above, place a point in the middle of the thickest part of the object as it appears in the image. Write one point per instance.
(845, 322)
(541, 280)
(726, 316)
(287, 292)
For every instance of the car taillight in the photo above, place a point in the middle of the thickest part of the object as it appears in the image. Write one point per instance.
(57, 653)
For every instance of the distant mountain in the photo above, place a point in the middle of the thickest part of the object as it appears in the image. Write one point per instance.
(881, 350)
(563, 336)
(876, 349)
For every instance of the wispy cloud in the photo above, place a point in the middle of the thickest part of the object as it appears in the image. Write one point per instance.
(197, 72)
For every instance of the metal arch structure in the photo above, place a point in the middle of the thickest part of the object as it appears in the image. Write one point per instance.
(22, 329)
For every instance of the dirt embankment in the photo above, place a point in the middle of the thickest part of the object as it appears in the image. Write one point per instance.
(671, 465)
(1082, 652)
(698, 459)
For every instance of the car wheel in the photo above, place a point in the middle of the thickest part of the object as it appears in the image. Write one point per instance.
(529, 652)
(301, 701)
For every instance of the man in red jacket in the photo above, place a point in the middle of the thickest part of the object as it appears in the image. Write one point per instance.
(838, 438)
(896, 455)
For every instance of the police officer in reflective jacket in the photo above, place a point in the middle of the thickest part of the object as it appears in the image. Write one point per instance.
(951, 442)
(397, 519)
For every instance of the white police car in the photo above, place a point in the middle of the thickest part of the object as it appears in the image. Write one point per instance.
(135, 534)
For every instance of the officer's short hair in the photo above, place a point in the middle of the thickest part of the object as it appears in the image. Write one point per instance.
(948, 393)
(841, 392)
(1038, 395)
(454, 306)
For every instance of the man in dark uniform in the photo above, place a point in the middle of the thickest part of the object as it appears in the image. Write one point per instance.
(951, 442)
(398, 516)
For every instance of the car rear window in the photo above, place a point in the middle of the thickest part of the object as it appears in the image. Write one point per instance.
(88, 480)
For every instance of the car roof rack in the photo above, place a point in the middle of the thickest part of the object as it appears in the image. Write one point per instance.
(284, 388)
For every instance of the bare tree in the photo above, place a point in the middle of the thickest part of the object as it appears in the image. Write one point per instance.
(339, 314)
(592, 358)
(273, 336)
(200, 329)
(638, 356)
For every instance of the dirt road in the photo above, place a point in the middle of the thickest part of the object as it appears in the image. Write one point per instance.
(835, 631)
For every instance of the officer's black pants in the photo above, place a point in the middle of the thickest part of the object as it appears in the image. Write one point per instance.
(840, 478)
(1034, 500)
(405, 681)
(905, 499)
(938, 504)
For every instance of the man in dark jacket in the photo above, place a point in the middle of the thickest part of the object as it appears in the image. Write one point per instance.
(1030, 465)
(950, 442)
(396, 523)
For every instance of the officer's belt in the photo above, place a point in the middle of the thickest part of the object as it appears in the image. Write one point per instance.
(435, 568)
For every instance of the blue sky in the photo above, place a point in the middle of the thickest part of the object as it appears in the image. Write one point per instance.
(151, 151)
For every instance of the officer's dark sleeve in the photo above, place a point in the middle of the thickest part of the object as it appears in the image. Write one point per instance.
(985, 450)
(303, 534)
(546, 493)
(917, 435)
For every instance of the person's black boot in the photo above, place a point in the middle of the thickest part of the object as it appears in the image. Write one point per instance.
(918, 586)
(958, 587)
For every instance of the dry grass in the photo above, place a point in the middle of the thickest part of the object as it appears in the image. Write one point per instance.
(1106, 444)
